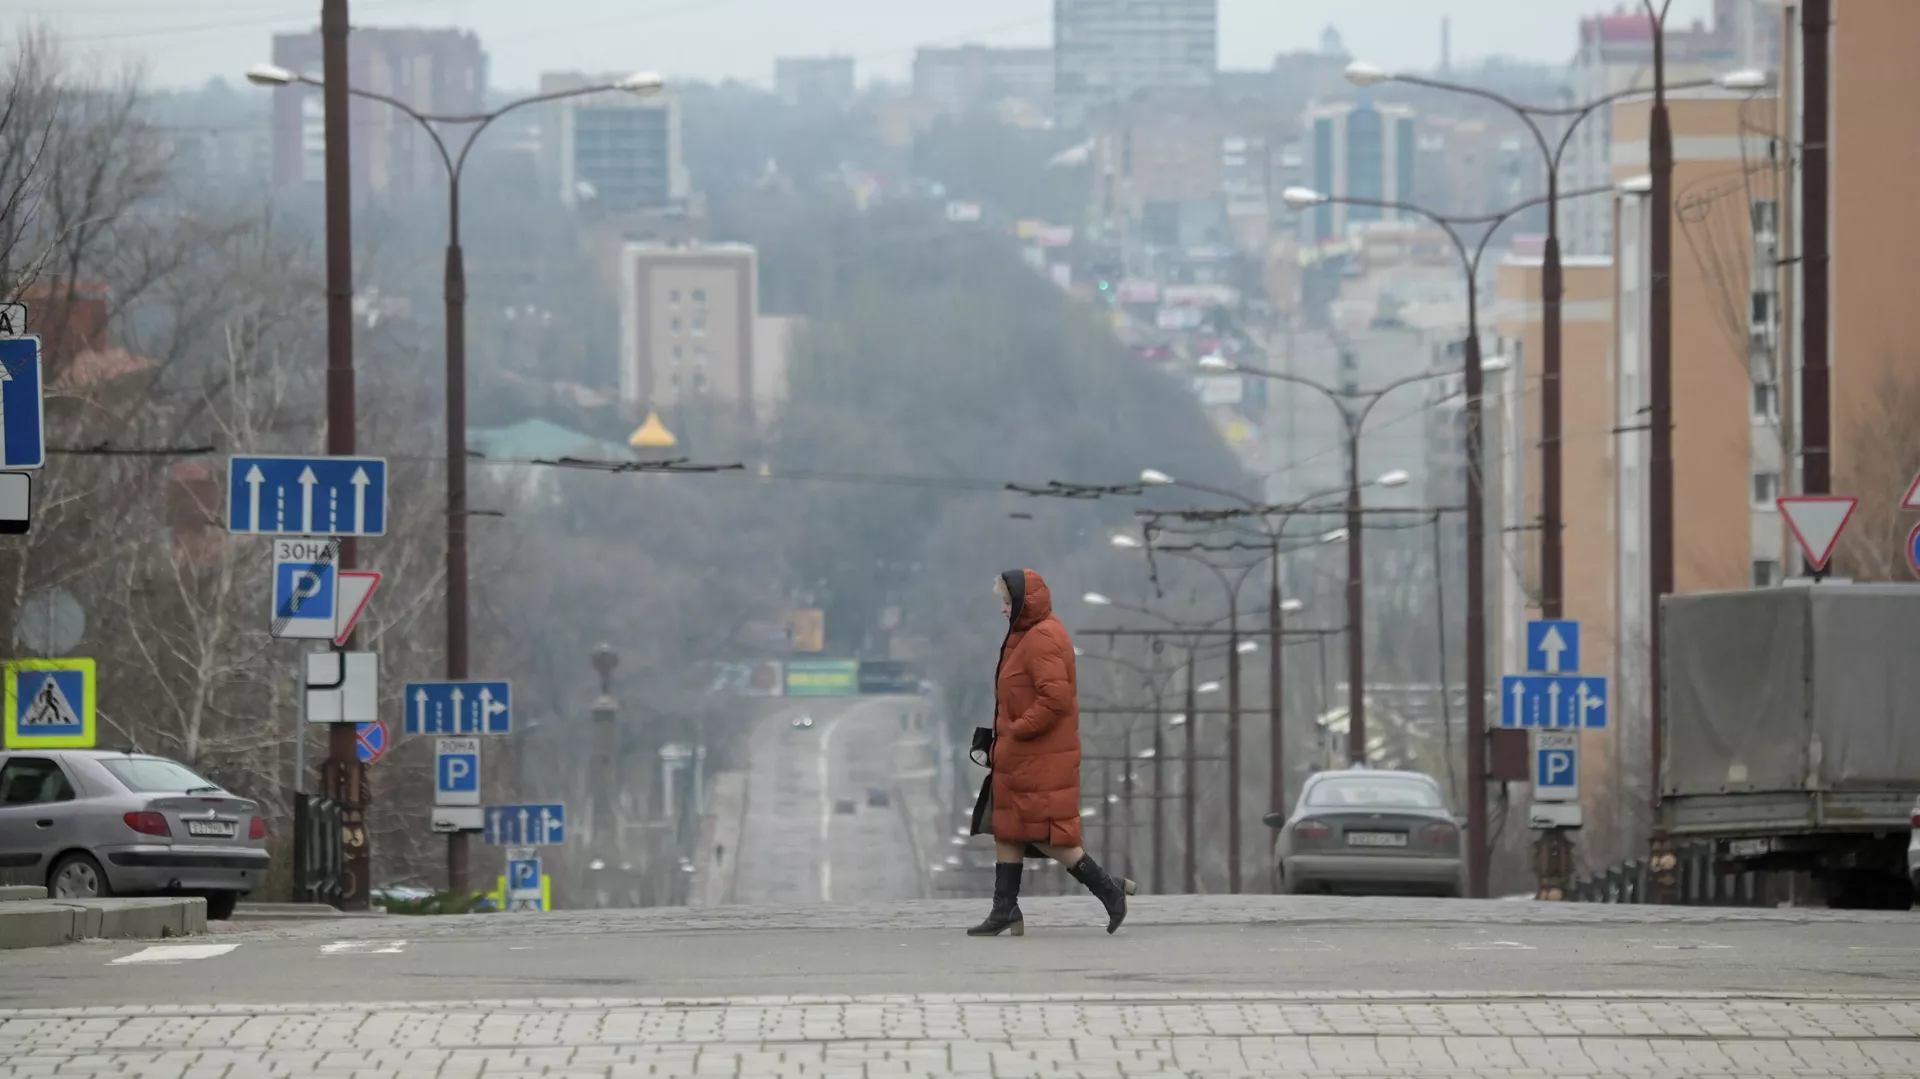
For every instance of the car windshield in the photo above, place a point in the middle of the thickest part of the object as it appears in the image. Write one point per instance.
(1373, 792)
(152, 775)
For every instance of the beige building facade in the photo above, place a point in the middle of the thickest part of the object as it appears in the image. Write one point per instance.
(688, 315)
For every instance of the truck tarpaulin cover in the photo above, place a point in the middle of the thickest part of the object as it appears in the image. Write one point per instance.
(1792, 689)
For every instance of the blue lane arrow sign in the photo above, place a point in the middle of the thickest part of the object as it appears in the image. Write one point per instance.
(23, 428)
(1553, 701)
(459, 707)
(307, 496)
(526, 825)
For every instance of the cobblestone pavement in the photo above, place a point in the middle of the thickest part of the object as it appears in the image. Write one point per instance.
(1352, 1035)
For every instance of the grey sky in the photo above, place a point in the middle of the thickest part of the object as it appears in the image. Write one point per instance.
(186, 42)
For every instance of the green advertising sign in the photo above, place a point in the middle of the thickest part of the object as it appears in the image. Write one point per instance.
(823, 677)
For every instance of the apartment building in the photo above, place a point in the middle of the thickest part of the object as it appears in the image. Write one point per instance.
(615, 152)
(434, 71)
(814, 82)
(689, 328)
(1108, 50)
(965, 77)
(1614, 54)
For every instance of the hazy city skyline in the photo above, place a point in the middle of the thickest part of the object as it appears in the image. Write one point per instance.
(189, 42)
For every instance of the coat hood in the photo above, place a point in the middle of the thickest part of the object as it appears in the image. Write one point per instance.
(1031, 600)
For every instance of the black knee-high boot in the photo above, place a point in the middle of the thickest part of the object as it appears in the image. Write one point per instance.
(1111, 893)
(1006, 903)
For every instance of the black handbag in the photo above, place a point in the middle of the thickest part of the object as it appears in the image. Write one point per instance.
(982, 748)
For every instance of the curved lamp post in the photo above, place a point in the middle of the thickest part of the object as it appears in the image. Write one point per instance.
(1301, 198)
(1552, 151)
(272, 75)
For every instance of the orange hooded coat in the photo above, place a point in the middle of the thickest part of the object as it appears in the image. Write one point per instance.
(1036, 723)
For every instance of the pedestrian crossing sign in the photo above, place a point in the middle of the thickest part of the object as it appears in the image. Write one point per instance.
(49, 704)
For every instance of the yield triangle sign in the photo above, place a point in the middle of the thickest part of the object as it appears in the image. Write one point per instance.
(1817, 521)
(1912, 500)
(356, 588)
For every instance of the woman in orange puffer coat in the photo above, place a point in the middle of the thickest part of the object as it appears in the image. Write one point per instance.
(1031, 800)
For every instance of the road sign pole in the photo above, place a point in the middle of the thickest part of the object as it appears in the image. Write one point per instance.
(346, 777)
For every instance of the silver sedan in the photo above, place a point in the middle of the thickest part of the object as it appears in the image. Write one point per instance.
(1369, 832)
(90, 823)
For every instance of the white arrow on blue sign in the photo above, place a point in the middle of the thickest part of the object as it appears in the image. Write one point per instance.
(23, 429)
(1553, 701)
(456, 770)
(459, 707)
(526, 825)
(1553, 646)
(307, 496)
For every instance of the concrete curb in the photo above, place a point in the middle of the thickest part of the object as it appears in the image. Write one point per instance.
(15, 893)
(45, 922)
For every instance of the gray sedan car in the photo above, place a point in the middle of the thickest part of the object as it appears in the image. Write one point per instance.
(90, 823)
(1368, 832)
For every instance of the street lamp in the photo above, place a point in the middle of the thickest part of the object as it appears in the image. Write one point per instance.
(1470, 257)
(457, 583)
(1552, 288)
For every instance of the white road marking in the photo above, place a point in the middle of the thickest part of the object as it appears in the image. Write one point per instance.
(363, 947)
(1305, 946)
(826, 809)
(1493, 946)
(174, 953)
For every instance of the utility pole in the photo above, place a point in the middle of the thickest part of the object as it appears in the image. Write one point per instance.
(1816, 478)
(1660, 859)
(1356, 605)
(1276, 734)
(1193, 778)
(1233, 741)
(345, 779)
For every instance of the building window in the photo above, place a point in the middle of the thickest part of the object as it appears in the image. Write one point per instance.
(700, 383)
(1766, 218)
(699, 325)
(1766, 572)
(1766, 488)
(674, 296)
(1766, 401)
(674, 326)
(699, 295)
(676, 354)
(1762, 308)
(699, 354)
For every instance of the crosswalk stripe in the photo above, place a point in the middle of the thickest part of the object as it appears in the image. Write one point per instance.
(363, 947)
(173, 953)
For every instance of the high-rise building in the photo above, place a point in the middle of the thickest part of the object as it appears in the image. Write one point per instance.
(1108, 50)
(970, 76)
(1616, 54)
(688, 322)
(619, 152)
(814, 82)
(1357, 149)
(433, 71)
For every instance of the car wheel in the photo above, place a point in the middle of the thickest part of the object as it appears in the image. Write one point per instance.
(78, 876)
(220, 905)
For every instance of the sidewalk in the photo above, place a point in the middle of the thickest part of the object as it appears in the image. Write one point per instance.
(721, 826)
(28, 919)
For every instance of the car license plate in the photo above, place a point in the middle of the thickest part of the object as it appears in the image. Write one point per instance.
(1376, 839)
(222, 828)
(1747, 848)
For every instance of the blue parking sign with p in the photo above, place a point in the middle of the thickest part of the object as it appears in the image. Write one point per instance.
(49, 704)
(303, 590)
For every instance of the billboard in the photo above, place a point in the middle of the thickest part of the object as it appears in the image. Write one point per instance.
(753, 678)
(808, 629)
(892, 676)
(823, 678)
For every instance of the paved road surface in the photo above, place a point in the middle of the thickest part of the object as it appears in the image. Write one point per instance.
(1250, 986)
(797, 848)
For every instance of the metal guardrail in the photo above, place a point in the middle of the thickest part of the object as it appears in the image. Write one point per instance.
(319, 854)
(1701, 882)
